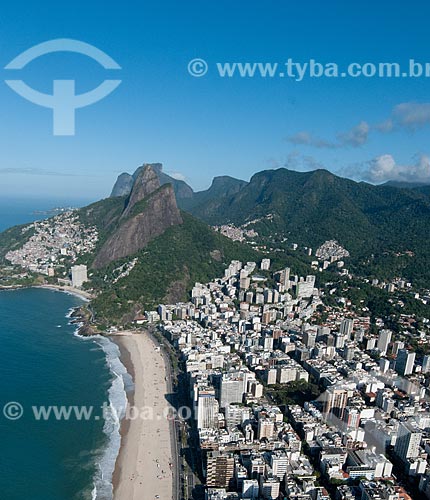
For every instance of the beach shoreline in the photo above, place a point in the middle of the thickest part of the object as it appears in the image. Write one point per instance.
(125, 358)
(144, 465)
(82, 294)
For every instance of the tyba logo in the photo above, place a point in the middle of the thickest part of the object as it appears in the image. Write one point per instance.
(63, 101)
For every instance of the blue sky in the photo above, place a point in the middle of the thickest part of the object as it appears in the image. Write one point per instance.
(372, 129)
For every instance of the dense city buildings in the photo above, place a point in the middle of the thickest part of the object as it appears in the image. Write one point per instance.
(253, 344)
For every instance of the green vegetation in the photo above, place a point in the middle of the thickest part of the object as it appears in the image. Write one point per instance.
(16, 280)
(166, 270)
(104, 215)
(294, 392)
(221, 186)
(13, 238)
(383, 227)
(380, 302)
(379, 225)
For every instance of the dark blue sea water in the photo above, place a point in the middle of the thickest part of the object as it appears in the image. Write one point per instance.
(43, 362)
(20, 211)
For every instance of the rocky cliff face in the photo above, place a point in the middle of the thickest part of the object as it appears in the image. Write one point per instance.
(149, 211)
(123, 185)
(146, 182)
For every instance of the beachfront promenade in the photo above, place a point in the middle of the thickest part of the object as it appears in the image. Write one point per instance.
(174, 428)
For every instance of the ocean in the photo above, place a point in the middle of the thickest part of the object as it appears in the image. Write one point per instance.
(20, 211)
(44, 363)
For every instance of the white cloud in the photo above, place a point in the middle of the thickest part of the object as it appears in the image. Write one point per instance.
(355, 137)
(411, 114)
(384, 168)
(406, 115)
(299, 162)
(308, 139)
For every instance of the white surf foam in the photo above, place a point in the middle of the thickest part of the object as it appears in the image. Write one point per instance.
(121, 382)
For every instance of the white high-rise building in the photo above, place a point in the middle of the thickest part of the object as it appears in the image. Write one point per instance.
(396, 346)
(339, 340)
(265, 264)
(305, 288)
(207, 409)
(335, 400)
(426, 364)
(346, 327)
(79, 275)
(383, 340)
(279, 463)
(269, 487)
(236, 415)
(266, 428)
(309, 337)
(285, 278)
(384, 365)
(232, 388)
(408, 441)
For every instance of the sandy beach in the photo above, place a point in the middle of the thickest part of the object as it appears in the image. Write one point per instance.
(82, 294)
(143, 468)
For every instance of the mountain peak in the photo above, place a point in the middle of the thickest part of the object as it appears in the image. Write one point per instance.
(221, 179)
(226, 182)
(123, 185)
(145, 183)
(157, 167)
(139, 223)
